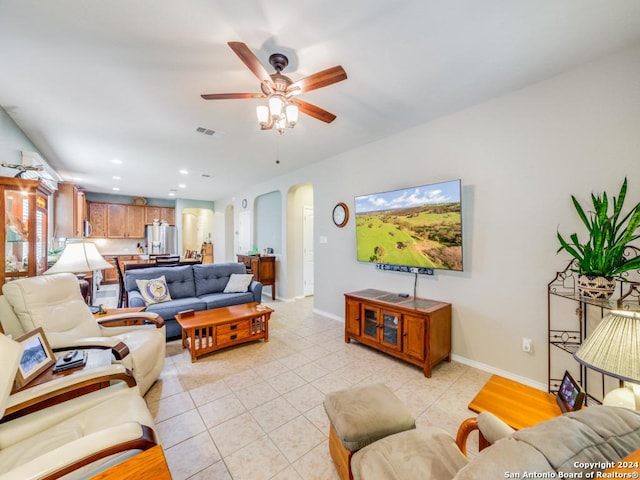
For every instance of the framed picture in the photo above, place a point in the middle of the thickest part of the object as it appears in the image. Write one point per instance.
(37, 356)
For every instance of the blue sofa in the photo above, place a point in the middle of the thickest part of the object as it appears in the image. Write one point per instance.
(197, 287)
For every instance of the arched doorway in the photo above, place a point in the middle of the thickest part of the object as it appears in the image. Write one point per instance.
(300, 240)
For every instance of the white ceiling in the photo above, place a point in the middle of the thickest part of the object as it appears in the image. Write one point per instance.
(90, 81)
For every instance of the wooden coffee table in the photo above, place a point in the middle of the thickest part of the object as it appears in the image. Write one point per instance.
(210, 330)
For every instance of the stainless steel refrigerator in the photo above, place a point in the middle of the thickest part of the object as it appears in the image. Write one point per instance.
(161, 239)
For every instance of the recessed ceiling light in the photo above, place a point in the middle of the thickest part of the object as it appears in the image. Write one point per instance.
(172, 194)
(184, 172)
(116, 161)
(115, 177)
(115, 188)
(182, 185)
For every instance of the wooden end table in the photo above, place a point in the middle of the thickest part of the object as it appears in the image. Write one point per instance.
(95, 358)
(128, 322)
(517, 405)
(115, 311)
(210, 330)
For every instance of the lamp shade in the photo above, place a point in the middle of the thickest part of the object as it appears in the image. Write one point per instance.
(614, 346)
(79, 257)
(291, 111)
(275, 106)
(262, 111)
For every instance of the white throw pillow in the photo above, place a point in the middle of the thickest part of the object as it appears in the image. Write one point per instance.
(154, 290)
(238, 283)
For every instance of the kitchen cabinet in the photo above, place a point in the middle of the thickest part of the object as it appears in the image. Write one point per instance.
(159, 213)
(98, 219)
(117, 220)
(110, 275)
(81, 212)
(69, 211)
(24, 208)
(135, 221)
(125, 221)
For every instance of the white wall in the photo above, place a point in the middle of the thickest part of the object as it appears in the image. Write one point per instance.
(520, 157)
(12, 143)
(267, 220)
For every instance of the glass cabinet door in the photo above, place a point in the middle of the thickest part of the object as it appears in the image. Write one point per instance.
(370, 323)
(17, 234)
(390, 329)
(23, 206)
(41, 234)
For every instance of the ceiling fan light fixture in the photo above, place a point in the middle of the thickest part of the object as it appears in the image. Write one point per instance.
(262, 111)
(291, 112)
(275, 106)
(281, 124)
(279, 90)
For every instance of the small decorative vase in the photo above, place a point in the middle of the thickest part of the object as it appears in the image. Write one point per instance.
(592, 286)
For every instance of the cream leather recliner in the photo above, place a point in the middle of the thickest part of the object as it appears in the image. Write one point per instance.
(74, 439)
(54, 302)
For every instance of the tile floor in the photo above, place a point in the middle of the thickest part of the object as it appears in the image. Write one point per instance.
(255, 411)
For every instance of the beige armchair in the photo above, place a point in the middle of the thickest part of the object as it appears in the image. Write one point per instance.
(77, 438)
(574, 443)
(54, 302)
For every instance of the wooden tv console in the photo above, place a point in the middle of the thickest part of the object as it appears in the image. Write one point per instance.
(416, 330)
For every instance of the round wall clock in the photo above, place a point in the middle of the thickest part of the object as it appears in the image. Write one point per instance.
(340, 214)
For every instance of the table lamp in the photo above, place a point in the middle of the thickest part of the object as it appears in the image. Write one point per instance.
(614, 349)
(79, 257)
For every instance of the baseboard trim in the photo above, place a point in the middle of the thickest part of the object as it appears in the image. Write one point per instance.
(497, 371)
(465, 361)
(328, 315)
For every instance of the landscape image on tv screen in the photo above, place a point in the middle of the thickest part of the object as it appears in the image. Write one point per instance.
(416, 227)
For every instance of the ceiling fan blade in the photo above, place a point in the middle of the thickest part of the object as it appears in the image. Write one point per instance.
(230, 96)
(315, 112)
(318, 80)
(250, 60)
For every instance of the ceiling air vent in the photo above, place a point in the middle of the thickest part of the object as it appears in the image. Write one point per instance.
(206, 131)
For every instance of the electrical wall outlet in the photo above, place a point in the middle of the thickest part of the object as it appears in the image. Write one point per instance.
(527, 345)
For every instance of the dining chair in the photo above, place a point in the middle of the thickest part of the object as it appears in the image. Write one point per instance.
(167, 260)
(121, 291)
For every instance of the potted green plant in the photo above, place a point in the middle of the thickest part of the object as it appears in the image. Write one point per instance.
(601, 259)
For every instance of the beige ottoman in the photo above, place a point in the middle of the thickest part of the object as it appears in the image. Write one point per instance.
(360, 416)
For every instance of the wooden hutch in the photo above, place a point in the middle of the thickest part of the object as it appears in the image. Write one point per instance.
(25, 212)
(263, 268)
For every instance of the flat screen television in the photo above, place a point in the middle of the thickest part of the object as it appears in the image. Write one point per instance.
(411, 227)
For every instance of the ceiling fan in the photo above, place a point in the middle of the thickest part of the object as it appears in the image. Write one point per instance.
(281, 91)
